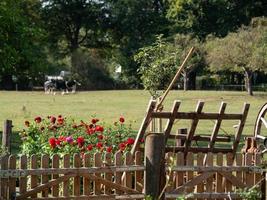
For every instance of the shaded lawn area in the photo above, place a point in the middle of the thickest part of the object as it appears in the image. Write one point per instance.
(108, 106)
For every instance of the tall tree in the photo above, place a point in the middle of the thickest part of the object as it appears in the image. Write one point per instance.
(216, 17)
(21, 48)
(73, 24)
(244, 51)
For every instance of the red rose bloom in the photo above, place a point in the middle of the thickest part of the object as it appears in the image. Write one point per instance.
(52, 142)
(122, 146)
(37, 119)
(94, 121)
(100, 137)
(80, 141)
(53, 119)
(122, 120)
(99, 128)
(130, 141)
(27, 123)
(58, 142)
(109, 149)
(60, 120)
(90, 147)
(90, 131)
(99, 145)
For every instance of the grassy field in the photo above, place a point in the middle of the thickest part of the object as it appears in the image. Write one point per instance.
(108, 106)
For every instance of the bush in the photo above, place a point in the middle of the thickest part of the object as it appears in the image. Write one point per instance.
(59, 135)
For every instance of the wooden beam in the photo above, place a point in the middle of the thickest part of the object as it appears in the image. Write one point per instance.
(144, 125)
(204, 195)
(233, 179)
(197, 149)
(194, 115)
(201, 138)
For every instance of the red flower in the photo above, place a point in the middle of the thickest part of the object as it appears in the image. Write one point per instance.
(94, 121)
(58, 142)
(62, 138)
(80, 141)
(60, 120)
(90, 131)
(52, 142)
(122, 120)
(90, 147)
(142, 140)
(109, 149)
(100, 137)
(37, 119)
(53, 119)
(130, 141)
(99, 128)
(27, 123)
(99, 145)
(122, 146)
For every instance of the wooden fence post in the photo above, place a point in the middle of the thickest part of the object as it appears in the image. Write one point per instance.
(155, 165)
(6, 136)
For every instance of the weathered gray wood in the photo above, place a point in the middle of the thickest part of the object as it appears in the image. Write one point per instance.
(4, 181)
(23, 180)
(240, 128)
(55, 164)
(217, 125)
(12, 181)
(168, 128)
(6, 135)
(198, 149)
(206, 195)
(34, 178)
(193, 127)
(44, 178)
(144, 125)
(180, 141)
(200, 137)
(66, 182)
(154, 159)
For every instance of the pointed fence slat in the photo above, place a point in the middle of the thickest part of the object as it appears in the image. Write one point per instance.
(97, 183)
(86, 181)
(118, 175)
(55, 164)
(229, 162)
(23, 180)
(108, 176)
(12, 181)
(128, 177)
(200, 159)
(219, 178)
(45, 178)
(209, 186)
(189, 175)
(34, 178)
(249, 175)
(77, 179)
(66, 183)
(139, 183)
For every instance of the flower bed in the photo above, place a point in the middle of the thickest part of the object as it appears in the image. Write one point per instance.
(60, 135)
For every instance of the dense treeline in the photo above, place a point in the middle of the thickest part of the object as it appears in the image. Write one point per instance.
(94, 38)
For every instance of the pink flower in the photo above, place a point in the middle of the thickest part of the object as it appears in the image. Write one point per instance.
(69, 139)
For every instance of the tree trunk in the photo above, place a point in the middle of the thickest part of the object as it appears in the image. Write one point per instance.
(185, 75)
(248, 81)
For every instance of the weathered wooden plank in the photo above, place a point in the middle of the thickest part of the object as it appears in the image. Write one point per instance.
(209, 186)
(217, 125)
(229, 162)
(198, 149)
(97, 183)
(77, 179)
(66, 183)
(55, 164)
(168, 128)
(12, 181)
(6, 135)
(249, 175)
(258, 162)
(189, 175)
(99, 197)
(193, 127)
(23, 180)
(34, 178)
(43, 187)
(108, 176)
(118, 175)
(139, 182)
(219, 178)
(194, 115)
(86, 181)
(240, 127)
(206, 195)
(44, 178)
(239, 174)
(198, 179)
(128, 177)
(144, 125)
(200, 159)
(179, 163)
(256, 169)
(4, 181)
(233, 180)
(201, 138)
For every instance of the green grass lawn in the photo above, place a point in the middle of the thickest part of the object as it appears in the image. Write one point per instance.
(108, 106)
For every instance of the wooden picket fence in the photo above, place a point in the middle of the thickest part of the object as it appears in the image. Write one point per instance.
(80, 177)
(212, 176)
(203, 176)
